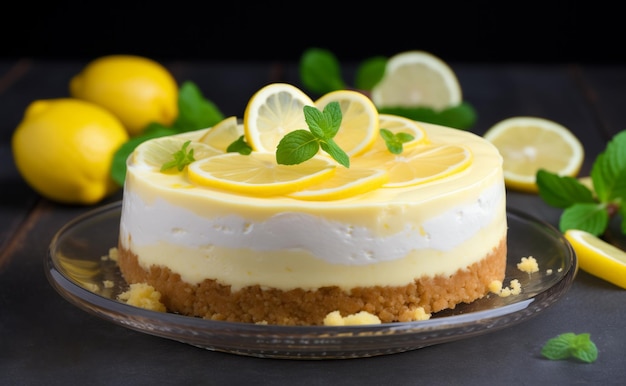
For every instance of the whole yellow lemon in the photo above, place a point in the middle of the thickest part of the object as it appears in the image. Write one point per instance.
(63, 148)
(138, 90)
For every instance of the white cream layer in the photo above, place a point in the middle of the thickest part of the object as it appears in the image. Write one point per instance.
(386, 237)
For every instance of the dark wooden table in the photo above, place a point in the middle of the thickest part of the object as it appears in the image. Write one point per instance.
(46, 340)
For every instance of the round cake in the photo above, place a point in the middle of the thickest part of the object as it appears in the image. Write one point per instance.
(394, 252)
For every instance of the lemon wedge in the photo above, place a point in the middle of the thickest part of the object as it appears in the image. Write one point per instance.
(359, 122)
(417, 78)
(528, 144)
(346, 182)
(223, 134)
(271, 113)
(258, 173)
(152, 154)
(419, 165)
(598, 257)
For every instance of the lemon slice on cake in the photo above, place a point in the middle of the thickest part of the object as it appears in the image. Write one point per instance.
(258, 173)
(223, 134)
(271, 113)
(528, 144)
(359, 120)
(154, 153)
(417, 78)
(598, 257)
(419, 165)
(346, 182)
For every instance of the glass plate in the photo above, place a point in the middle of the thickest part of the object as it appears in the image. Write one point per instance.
(76, 269)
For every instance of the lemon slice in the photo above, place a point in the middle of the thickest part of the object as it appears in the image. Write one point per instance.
(528, 144)
(346, 182)
(397, 124)
(223, 134)
(417, 78)
(258, 173)
(598, 257)
(155, 152)
(272, 112)
(420, 165)
(359, 120)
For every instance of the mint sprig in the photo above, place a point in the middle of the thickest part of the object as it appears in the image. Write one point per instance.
(582, 208)
(570, 345)
(194, 113)
(181, 158)
(395, 142)
(300, 145)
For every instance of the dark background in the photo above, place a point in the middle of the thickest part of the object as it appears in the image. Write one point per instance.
(467, 31)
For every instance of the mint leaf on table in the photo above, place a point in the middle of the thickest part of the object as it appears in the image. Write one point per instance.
(320, 71)
(370, 72)
(570, 345)
(583, 210)
(194, 113)
(462, 116)
(300, 145)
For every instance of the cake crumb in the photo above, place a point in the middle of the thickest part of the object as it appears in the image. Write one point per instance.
(144, 296)
(528, 264)
(419, 314)
(113, 255)
(548, 271)
(108, 283)
(334, 318)
(514, 288)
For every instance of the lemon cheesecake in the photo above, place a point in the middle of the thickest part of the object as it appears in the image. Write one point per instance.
(392, 235)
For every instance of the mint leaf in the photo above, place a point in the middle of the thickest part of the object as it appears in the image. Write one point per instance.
(590, 217)
(118, 165)
(194, 111)
(301, 145)
(239, 146)
(181, 158)
(570, 345)
(462, 116)
(609, 170)
(370, 72)
(330, 147)
(320, 71)
(561, 191)
(394, 142)
(296, 147)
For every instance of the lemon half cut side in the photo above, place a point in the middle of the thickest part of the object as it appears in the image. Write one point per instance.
(417, 78)
(528, 144)
(598, 257)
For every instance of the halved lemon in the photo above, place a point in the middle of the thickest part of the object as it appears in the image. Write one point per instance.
(258, 173)
(397, 124)
(346, 182)
(528, 144)
(598, 257)
(223, 134)
(420, 165)
(359, 120)
(271, 113)
(417, 78)
(156, 152)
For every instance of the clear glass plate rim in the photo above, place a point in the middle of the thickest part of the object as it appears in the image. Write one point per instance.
(117, 311)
